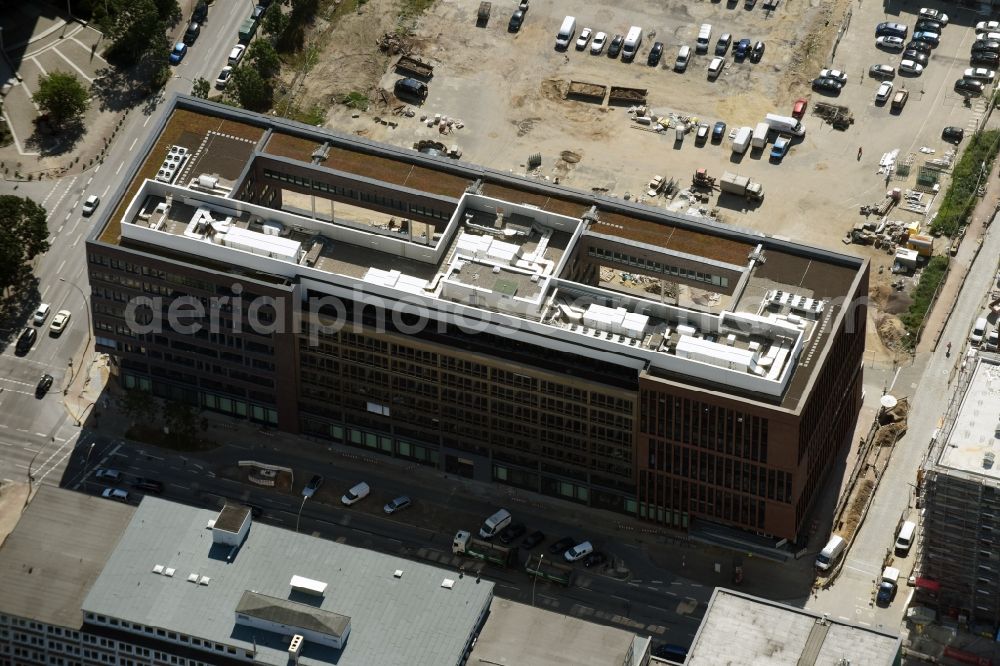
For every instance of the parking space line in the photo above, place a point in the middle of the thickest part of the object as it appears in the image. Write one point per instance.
(92, 49)
(13, 134)
(73, 65)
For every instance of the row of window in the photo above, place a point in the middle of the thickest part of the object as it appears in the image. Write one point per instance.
(657, 267)
(704, 425)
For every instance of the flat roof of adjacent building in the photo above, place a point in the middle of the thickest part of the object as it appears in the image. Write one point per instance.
(56, 552)
(408, 619)
(973, 443)
(521, 635)
(742, 629)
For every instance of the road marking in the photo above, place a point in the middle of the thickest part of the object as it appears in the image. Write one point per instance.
(98, 168)
(61, 197)
(75, 225)
(657, 582)
(21, 465)
(845, 619)
(77, 240)
(105, 192)
(89, 182)
(657, 608)
(677, 582)
(4, 425)
(134, 141)
(23, 430)
(695, 584)
(30, 450)
(44, 291)
(61, 266)
(118, 170)
(864, 624)
(41, 434)
(672, 594)
(147, 121)
(73, 65)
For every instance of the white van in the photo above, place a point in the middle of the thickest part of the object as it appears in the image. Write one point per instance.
(494, 524)
(683, 58)
(831, 552)
(785, 124)
(633, 39)
(566, 32)
(978, 331)
(704, 37)
(905, 538)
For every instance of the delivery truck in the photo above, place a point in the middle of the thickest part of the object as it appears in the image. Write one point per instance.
(742, 140)
(759, 139)
(466, 544)
(741, 186)
(785, 124)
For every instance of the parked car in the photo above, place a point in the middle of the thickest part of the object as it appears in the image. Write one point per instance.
(148, 485)
(980, 73)
(715, 67)
(562, 545)
(411, 89)
(236, 54)
(915, 56)
(985, 58)
(927, 25)
(702, 134)
(397, 504)
(991, 45)
(834, 74)
(90, 205)
(596, 46)
(993, 340)
(917, 45)
(258, 11)
(116, 494)
(722, 46)
(969, 86)
(224, 76)
(200, 12)
(177, 54)
(581, 41)
(655, 54)
(882, 71)
(43, 386)
(192, 32)
(884, 92)
(889, 29)
(616, 46)
(355, 494)
(314, 484)
(742, 49)
(827, 84)
(106, 473)
(579, 551)
(953, 134)
(890, 43)
(533, 540)
(886, 593)
(516, 20)
(799, 108)
(987, 26)
(931, 38)
(60, 322)
(780, 148)
(595, 559)
(41, 314)
(910, 67)
(512, 532)
(718, 131)
(25, 341)
(757, 52)
(936, 15)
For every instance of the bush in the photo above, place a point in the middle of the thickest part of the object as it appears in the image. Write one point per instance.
(930, 279)
(960, 197)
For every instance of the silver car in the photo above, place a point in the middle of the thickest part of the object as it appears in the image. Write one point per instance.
(397, 504)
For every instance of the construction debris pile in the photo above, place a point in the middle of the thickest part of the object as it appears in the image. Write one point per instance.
(840, 117)
(643, 119)
(392, 43)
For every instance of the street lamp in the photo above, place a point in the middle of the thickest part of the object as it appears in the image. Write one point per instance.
(299, 516)
(90, 327)
(540, 558)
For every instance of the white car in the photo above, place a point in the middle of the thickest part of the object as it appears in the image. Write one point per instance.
(911, 67)
(715, 67)
(224, 77)
(835, 74)
(579, 551)
(894, 43)
(936, 15)
(237, 54)
(41, 314)
(60, 321)
(597, 45)
(355, 494)
(987, 26)
(115, 494)
(884, 92)
(980, 73)
(581, 41)
(112, 474)
(90, 205)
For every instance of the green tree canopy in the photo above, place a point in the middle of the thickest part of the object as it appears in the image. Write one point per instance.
(201, 88)
(251, 90)
(23, 236)
(62, 97)
(264, 58)
(138, 28)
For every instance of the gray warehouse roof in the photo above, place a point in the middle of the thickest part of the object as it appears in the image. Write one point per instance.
(746, 630)
(410, 620)
(55, 553)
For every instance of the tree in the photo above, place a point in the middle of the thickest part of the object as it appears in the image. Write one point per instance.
(275, 22)
(62, 97)
(181, 419)
(137, 30)
(201, 88)
(264, 58)
(23, 236)
(139, 405)
(251, 90)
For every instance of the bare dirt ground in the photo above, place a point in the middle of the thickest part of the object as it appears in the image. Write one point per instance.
(508, 92)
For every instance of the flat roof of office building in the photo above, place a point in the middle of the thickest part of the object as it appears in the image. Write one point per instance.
(973, 443)
(56, 552)
(409, 619)
(742, 629)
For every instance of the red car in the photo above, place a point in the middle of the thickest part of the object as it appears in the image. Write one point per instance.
(799, 109)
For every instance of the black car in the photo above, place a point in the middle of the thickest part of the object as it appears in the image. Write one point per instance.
(718, 131)
(986, 45)
(917, 45)
(411, 88)
(594, 559)
(969, 86)
(915, 56)
(44, 384)
(25, 341)
(200, 12)
(516, 19)
(886, 593)
(827, 84)
(512, 531)
(149, 485)
(722, 46)
(888, 29)
(757, 52)
(927, 25)
(953, 134)
(258, 11)
(742, 49)
(562, 545)
(616, 46)
(533, 540)
(655, 54)
(985, 58)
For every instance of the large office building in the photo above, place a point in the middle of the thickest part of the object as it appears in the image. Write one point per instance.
(503, 328)
(85, 581)
(959, 538)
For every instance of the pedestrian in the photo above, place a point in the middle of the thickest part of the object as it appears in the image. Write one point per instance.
(947, 352)
(859, 153)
